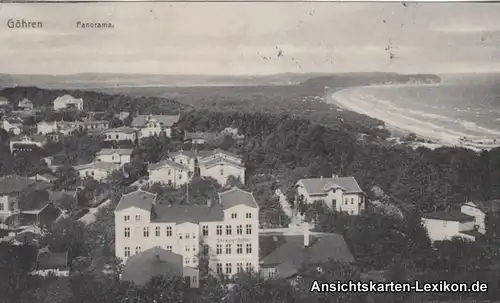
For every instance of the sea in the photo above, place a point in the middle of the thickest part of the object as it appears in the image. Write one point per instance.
(449, 112)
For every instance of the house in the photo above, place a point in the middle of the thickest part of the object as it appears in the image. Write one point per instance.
(86, 124)
(45, 127)
(44, 177)
(140, 268)
(111, 155)
(479, 210)
(154, 125)
(444, 225)
(25, 105)
(120, 134)
(284, 256)
(169, 172)
(11, 127)
(14, 211)
(68, 102)
(98, 171)
(51, 263)
(27, 143)
(339, 193)
(200, 137)
(226, 229)
(4, 102)
(218, 164)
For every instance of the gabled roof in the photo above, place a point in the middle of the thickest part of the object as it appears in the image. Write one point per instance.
(98, 165)
(17, 184)
(201, 154)
(487, 206)
(140, 268)
(112, 151)
(67, 98)
(449, 216)
(139, 199)
(236, 196)
(220, 160)
(187, 213)
(319, 185)
(166, 163)
(123, 129)
(201, 135)
(51, 260)
(34, 138)
(164, 120)
(56, 196)
(288, 254)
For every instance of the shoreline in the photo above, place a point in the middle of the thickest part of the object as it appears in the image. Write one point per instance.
(401, 125)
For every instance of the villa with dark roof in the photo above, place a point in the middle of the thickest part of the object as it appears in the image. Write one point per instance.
(339, 193)
(285, 256)
(154, 125)
(445, 225)
(227, 229)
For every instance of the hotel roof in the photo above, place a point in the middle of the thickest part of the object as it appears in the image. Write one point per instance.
(449, 216)
(139, 199)
(168, 163)
(112, 151)
(319, 185)
(236, 196)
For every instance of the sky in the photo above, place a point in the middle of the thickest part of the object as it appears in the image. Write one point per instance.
(246, 38)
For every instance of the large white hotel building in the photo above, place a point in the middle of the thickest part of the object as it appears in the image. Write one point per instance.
(228, 228)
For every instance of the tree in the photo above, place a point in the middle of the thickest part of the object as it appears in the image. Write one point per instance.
(66, 235)
(164, 289)
(67, 178)
(252, 287)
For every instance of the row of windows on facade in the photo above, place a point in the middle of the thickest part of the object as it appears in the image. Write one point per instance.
(169, 172)
(233, 216)
(229, 268)
(138, 249)
(239, 249)
(111, 136)
(229, 231)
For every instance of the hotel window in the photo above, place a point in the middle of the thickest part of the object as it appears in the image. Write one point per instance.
(187, 248)
(228, 268)
(249, 216)
(249, 266)
(169, 247)
(193, 279)
(249, 248)
(205, 230)
(233, 216)
(352, 200)
(249, 229)
(157, 231)
(169, 172)
(239, 248)
(219, 230)
(127, 218)
(93, 173)
(137, 249)
(228, 249)
(228, 230)
(219, 249)
(345, 201)
(193, 235)
(194, 247)
(169, 231)
(187, 235)
(127, 251)
(239, 229)
(146, 232)
(186, 261)
(219, 268)
(221, 171)
(127, 232)
(194, 261)
(180, 176)
(239, 267)
(180, 236)
(180, 161)
(137, 217)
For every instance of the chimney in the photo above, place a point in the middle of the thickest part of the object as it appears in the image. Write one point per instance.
(306, 234)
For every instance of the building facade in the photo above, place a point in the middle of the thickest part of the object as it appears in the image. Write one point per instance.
(98, 171)
(169, 173)
(445, 225)
(154, 125)
(225, 231)
(44, 127)
(342, 194)
(119, 156)
(121, 134)
(68, 102)
(27, 143)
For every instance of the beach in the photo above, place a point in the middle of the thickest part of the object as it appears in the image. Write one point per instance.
(436, 121)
